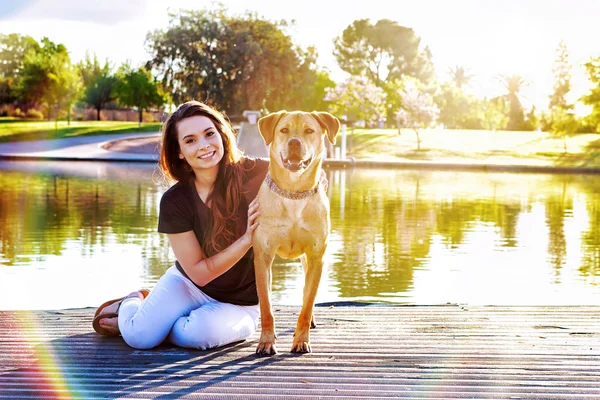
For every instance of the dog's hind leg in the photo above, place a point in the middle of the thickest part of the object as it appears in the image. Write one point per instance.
(313, 270)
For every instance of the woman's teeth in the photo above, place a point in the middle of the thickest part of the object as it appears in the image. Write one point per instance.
(207, 155)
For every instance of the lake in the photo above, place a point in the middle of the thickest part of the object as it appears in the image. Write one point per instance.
(74, 234)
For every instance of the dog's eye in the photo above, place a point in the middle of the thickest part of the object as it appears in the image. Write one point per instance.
(308, 130)
(285, 130)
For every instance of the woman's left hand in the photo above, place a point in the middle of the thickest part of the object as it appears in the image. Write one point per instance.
(253, 214)
(323, 180)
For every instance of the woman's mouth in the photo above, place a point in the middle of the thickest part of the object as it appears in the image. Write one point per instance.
(207, 155)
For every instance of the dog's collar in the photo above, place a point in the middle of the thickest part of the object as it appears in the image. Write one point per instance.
(289, 195)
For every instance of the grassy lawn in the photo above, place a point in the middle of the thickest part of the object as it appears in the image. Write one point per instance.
(501, 147)
(14, 130)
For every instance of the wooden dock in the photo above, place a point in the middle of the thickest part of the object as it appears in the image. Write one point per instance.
(359, 352)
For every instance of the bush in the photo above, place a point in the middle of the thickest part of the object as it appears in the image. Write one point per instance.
(6, 110)
(148, 117)
(32, 113)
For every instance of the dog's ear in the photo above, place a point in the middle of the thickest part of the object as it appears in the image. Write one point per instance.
(267, 124)
(328, 122)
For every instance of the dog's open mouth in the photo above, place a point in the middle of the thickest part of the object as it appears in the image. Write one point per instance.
(294, 163)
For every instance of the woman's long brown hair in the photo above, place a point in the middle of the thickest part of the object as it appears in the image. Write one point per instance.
(226, 194)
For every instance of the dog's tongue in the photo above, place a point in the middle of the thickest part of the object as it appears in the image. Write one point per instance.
(294, 158)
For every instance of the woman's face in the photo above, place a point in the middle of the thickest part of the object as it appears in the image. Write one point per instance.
(200, 143)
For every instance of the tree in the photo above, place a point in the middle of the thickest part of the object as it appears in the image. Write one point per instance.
(49, 78)
(317, 98)
(516, 116)
(137, 88)
(593, 98)
(495, 112)
(383, 52)
(358, 99)
(13, 49)
(418, 109)
(532, 121)
(460, 76)
(458, 110)
(563, 123)
(235, 63)
(562, 79)
(99, 84)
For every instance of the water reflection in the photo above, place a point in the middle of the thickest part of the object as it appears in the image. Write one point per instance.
(75, 234)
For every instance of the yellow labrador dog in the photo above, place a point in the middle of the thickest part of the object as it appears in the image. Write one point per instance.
(294, 208)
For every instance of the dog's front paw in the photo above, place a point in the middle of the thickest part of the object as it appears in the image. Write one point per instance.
(300, 346)
(266, 349)
(266, 344)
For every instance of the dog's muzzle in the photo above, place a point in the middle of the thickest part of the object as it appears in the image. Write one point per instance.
(294, 161)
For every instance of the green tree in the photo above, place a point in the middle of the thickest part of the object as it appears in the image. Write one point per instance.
(317, 98)
(494, 111)
(358, 99)
(516, 116)
(593, 97)
(458, 110)
(562, 79)
(99, 84)
(563, 124)
(235, 62)
(532, 121)
(383, 52)
(460, 76)
(418, 109)
(13, 49)
(49, 78)
(137, 88)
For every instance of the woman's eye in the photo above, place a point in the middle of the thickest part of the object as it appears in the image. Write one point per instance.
(209, 134)
(189, 141)
(285, 130)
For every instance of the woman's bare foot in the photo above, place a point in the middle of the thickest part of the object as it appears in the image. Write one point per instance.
(112, 324)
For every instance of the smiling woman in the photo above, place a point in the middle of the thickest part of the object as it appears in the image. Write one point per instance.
(208, 298)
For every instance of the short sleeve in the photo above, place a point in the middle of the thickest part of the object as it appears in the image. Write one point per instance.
(175, 215)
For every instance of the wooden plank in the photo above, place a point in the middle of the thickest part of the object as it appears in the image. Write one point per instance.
(361, 352)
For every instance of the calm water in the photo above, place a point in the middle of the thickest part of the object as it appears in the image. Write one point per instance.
(76, 234)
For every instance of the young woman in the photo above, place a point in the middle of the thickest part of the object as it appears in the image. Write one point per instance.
(208, 298)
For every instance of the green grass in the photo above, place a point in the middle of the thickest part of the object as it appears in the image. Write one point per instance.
(475, 146)
(15, 130)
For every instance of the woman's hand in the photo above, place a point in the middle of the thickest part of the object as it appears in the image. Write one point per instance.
(253, 214)
(323, 180)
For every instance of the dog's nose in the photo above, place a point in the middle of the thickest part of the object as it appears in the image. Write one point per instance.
(294, 145)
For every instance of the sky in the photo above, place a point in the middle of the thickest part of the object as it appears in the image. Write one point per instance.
(487, 37)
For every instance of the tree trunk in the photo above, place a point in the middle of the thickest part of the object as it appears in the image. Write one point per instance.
(140, 117)
(69, 116)
(565, 142)
(418, 140)
(98, 113)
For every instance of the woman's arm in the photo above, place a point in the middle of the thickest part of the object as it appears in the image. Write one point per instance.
(202, 270)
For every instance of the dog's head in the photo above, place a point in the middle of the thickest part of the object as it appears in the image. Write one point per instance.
(296, 138)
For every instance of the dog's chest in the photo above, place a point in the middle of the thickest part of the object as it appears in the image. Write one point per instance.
(294, 226)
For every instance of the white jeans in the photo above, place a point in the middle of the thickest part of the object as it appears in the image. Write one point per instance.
(178, 311)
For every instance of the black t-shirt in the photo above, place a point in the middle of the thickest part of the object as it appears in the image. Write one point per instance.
(182, 210)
